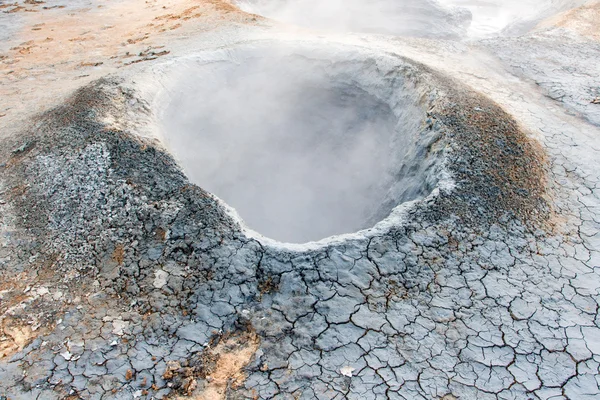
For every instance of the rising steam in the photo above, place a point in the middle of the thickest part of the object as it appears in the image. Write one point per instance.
(299, 147)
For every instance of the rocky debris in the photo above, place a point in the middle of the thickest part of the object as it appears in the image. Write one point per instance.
(147, 55)
(148, 289)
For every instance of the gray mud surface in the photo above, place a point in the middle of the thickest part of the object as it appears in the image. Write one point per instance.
(168, 273)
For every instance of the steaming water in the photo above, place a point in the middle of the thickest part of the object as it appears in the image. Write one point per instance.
(301, 148)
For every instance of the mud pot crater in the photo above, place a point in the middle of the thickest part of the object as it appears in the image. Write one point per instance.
(303, 144)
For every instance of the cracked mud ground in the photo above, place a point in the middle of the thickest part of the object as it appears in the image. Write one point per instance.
(120, 279)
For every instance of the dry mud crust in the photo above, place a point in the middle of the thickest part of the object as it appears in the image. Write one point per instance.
(557, 61)
(467, 298)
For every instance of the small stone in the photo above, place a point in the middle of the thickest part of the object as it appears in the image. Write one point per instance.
(119, 326)
(160, 279)
(154, 253)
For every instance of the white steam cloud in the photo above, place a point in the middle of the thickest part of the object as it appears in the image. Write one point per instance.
(299, 147)
(423, 18)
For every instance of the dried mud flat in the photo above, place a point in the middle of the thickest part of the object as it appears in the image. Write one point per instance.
(121, 279)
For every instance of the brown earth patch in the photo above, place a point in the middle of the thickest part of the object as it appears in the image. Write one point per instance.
(220, 368)
(14, 336)
(584, 21)
(47, 54)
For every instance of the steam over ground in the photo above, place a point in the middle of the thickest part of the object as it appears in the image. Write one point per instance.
(404, 17)
(297, 146)
(424, 18)
(302, 149)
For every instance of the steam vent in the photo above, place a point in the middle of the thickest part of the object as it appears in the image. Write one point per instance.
(310, 199)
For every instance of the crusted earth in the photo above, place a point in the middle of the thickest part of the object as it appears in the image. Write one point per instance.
(121, 279)
(146, 270)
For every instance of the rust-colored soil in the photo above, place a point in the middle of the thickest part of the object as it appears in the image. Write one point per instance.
(14, 336)
(582, 20)
(222, 368)
(57, 49)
